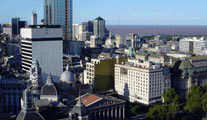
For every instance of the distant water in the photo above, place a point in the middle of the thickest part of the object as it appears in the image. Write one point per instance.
(154, 30)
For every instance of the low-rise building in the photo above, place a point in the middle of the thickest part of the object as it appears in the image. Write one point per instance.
(11, 92)
(192, 45)
(93, 107)
(156, 57)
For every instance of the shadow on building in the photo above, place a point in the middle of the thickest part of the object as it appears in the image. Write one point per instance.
(126, 91)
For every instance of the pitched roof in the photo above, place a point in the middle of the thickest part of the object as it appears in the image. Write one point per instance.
(89, 99)
(99, 18)
(29, 115)
(185, 64)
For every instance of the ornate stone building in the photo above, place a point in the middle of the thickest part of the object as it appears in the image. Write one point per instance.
(103, 107)
(188, 72)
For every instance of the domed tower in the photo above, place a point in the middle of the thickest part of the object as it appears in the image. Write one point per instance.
(132, 52)
(35, 79)
(28, 111)
(35, 74)
(67, 79)
(49, 91)
(29, 115)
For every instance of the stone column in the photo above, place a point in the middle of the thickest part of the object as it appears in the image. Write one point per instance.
(115, 113)
(112, 113)
(123, 113)
(104, 114)
(95, 115)
(119, 113)
(108, 110)
(99, 114)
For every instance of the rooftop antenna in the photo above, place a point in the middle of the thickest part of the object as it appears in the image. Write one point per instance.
(118, 21)
(173, 27)
(154, 31)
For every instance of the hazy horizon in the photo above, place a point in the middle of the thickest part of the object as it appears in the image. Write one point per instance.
(123, 12)
(143, 30)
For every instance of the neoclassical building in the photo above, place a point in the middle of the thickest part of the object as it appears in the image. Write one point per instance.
(11, 92)
(49, 91)
(28, 111)
(53, 101)
(188, 72)
(100, 107)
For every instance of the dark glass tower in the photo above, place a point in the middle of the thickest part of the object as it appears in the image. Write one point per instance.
(15, 26)
(59, 12)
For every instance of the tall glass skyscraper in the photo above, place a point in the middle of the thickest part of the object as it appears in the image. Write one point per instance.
(59, 12)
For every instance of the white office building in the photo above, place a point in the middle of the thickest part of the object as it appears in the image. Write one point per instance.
(44, 44)
(192, 45)
(77, 32)
(141, 81)
(34, 18)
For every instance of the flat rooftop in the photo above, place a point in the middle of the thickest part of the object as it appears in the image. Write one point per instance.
(43, 26)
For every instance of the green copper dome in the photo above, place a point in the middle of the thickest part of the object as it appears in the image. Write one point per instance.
(132, 52)
(35, 62)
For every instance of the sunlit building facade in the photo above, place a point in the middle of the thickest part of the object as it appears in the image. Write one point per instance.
(59, 12)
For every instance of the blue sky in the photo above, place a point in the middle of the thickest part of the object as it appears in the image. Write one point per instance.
(124, 12)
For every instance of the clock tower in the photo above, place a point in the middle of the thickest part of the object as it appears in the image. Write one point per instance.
(35, 75)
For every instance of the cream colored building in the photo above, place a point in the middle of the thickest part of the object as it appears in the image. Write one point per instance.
(141, 81)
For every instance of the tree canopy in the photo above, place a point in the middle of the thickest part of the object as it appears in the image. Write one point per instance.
(194, 100)
(169, 108)
(156, 113)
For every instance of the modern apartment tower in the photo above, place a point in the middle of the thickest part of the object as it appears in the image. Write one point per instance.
(59, 12)
(34, 18)
(44, 44)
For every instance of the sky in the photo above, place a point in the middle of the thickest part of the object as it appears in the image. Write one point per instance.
(117, 12)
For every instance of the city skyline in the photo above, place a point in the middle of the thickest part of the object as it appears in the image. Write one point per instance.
(148, 12)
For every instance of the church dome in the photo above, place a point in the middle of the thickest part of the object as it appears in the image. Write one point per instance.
(49, 88)
(29, 115)
(67, 76)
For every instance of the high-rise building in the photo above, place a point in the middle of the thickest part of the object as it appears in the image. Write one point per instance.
(15, 26)
(34, 18)
(59, 12)
(76, 31)
(76, 47)
(87, 26)
(21, 24)
(44, 44)
(0, 28)
(99, 27)
(86, 36)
